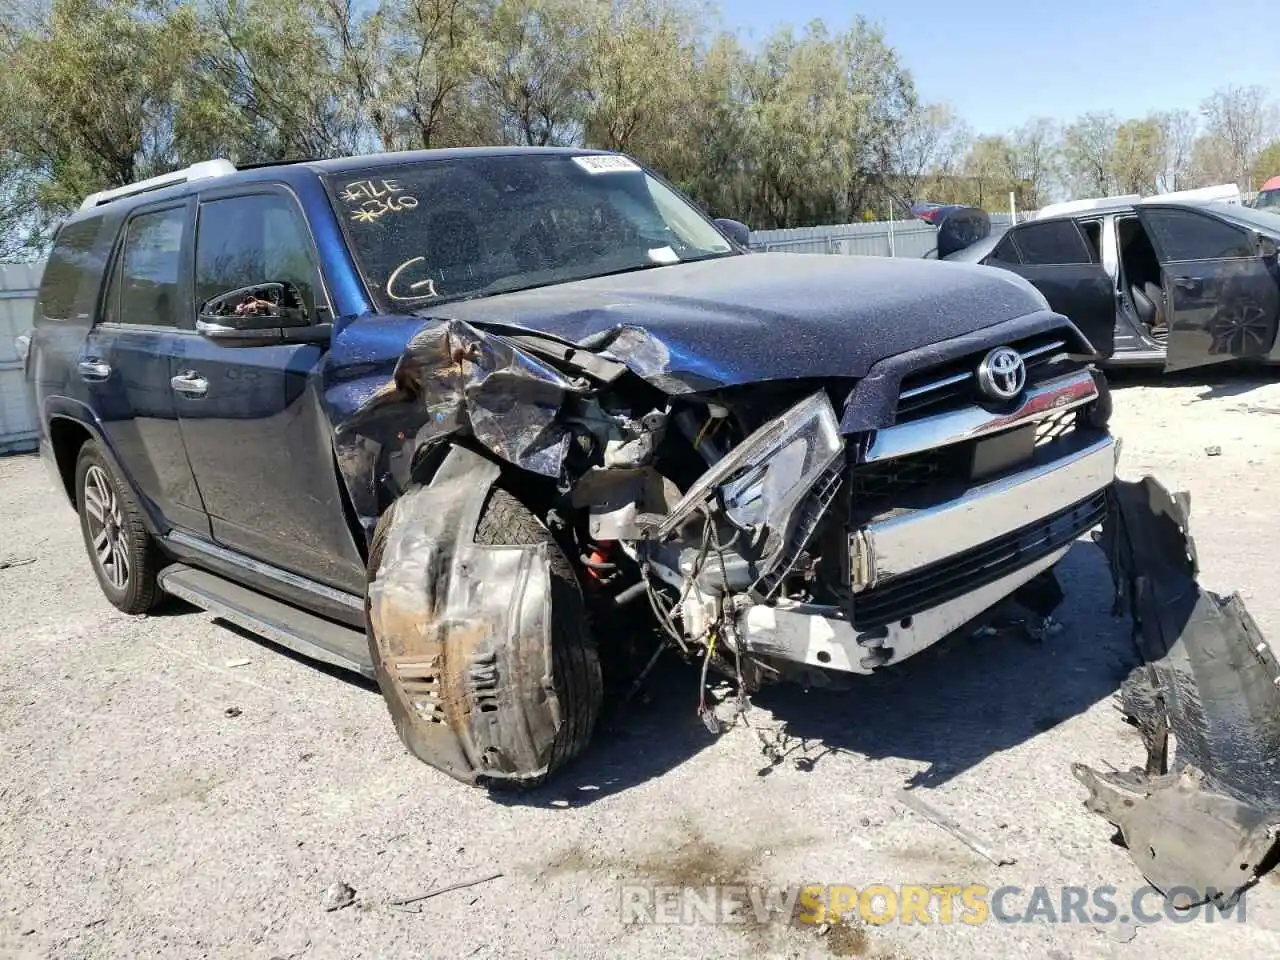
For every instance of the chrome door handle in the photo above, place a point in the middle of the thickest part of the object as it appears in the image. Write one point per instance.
(190, 383)
(94, 371)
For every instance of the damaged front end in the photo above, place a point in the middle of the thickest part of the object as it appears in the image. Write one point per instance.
(1201, 820)
(791, 529)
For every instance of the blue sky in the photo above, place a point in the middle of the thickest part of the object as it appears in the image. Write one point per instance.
(999, 62)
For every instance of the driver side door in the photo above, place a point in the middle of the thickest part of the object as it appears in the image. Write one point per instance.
(252, 417)
(1223, 295)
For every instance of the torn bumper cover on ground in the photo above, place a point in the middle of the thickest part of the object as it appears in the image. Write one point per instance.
(1203, 824)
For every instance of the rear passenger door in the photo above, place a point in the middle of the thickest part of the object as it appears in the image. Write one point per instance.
(252, 416)
(132, 349)
(1223, 296)
(1054, 255)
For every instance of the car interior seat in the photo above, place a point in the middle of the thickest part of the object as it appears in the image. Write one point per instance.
(1148, 300)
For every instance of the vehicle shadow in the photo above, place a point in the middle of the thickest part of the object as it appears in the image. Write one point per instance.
(948, 708)
(273, 648)
(1218, 381)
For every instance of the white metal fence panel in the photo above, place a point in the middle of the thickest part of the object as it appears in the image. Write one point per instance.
(18, 285)
(900, 238)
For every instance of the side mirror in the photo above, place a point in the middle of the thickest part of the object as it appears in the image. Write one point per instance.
(739, 233)
(1265, 246)
(259, 315)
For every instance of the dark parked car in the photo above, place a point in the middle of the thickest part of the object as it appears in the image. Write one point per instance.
(1173, 283)
(453, 419)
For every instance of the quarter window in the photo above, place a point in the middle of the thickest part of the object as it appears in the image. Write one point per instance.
(1005, 252)
(1186, 235)
(1052, 242)
(259, 238)
(150, 269)
(73, 273)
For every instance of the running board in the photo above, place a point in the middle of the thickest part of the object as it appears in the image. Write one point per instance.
(303, 633)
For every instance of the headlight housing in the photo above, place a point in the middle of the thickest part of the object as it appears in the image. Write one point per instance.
(764, 479)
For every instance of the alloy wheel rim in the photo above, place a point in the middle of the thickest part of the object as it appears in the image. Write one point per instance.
(1243, 329)
(105, 517)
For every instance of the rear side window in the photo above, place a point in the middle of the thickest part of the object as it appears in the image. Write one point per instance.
(1053, 242)
(73, 273)
(1186, 235)
(259, 238)
(147, 284)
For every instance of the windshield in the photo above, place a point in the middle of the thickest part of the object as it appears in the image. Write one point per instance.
(1260, 218)
(432, 231)
(1267, 200)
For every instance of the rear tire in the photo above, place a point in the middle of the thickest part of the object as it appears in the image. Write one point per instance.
(124, 557)
(576, 673)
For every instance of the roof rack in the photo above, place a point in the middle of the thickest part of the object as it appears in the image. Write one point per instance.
(205, 170)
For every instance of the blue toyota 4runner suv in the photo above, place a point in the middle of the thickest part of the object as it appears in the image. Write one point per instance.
(451, 418)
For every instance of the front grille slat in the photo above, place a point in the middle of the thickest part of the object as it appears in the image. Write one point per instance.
(886, 484)
(953, 384)
(972, 569)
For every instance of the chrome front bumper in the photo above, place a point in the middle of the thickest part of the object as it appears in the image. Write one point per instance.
(900, 544)
(909, 554)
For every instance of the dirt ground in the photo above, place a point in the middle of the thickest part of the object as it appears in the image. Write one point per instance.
(158, 802)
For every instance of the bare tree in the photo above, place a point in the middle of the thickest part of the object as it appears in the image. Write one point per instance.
(921, 145)
(1177, 139)
(1036, 150)
(1243, 120)
(1087, 152)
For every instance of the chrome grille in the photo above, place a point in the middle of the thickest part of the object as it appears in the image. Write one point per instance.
(922, 589)
(954, 384)
(874, 485)
(899, 482)
(1057, 426)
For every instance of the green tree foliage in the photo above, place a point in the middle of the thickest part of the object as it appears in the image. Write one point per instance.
(803, 127)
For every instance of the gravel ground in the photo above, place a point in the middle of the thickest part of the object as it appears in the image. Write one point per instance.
(143, 816)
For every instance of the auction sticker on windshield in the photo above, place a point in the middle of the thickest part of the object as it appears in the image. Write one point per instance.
(606, 164)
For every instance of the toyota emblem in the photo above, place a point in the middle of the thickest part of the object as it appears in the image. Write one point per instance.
(1002, 374)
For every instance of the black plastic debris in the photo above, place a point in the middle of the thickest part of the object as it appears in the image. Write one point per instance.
(1202, 825)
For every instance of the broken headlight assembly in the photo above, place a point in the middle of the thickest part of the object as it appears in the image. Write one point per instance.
(761, 484)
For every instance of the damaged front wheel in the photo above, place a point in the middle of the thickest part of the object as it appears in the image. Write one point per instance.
(478, 635)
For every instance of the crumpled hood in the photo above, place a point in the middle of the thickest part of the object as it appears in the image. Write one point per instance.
(773, 316)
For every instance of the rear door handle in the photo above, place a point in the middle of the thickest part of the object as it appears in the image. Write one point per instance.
(94, 371)
(190, 383)
(1191, 284)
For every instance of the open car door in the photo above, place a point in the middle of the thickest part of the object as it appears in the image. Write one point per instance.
(1221, 287)
(1056, 258)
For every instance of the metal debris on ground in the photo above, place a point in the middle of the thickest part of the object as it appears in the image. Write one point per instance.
(242, 662)
(961, 833)
(338, 896)
(8, 562)
(1201, 825)
(449, 889)
(1214, 451)
(232, 711)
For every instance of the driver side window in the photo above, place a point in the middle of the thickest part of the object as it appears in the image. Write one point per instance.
(1183, 235)
(257, 238)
